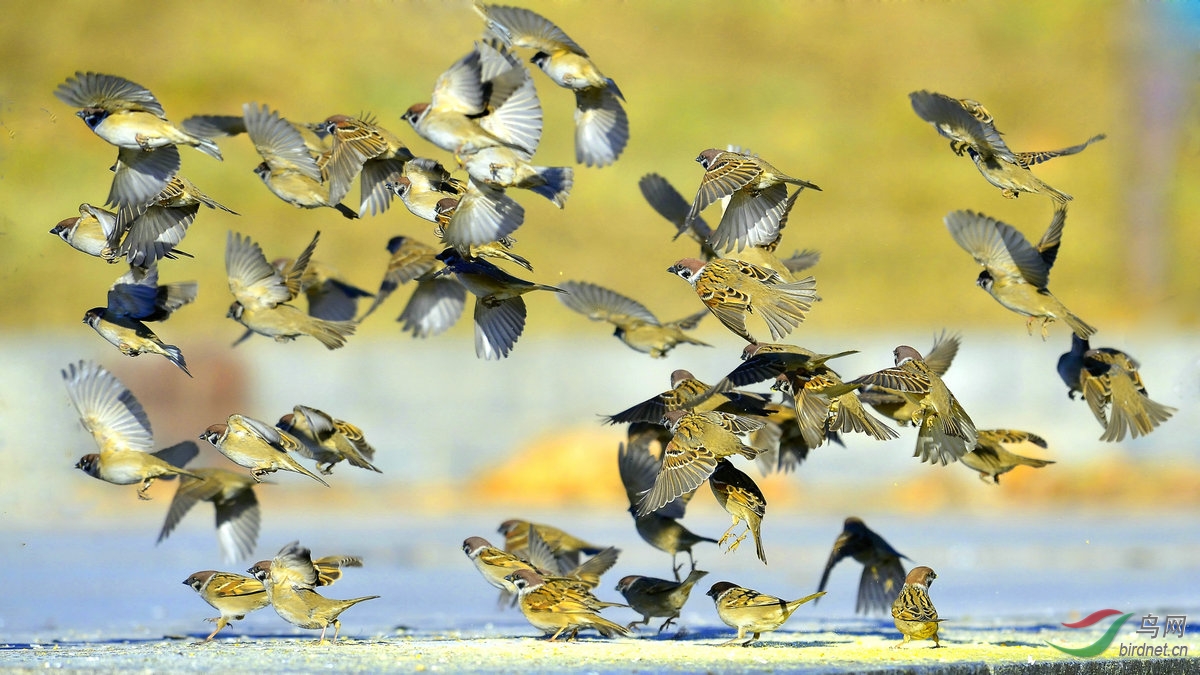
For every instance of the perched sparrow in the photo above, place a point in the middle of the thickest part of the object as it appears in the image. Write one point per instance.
(289, 581)
(565, 547)
(233, 595)
(738, 494)
(232, 495)
(895, 406)
(731, 289)
(1015, 272)
(969, 127)
(913, 611)
(499, 309)
(668, 203)
(945, 432)
(758, 198)
(652, 597)
(688, 393)
(257, 446)
(128, 116)
(115, 418)
(699, 441)
(289, 169)
(635, 325)
(556, 606)
(327, 440)
(495, 565)
(149, 232)
(996, 453)
(484, 214)
(1110, 383)
(661, 528)
(261, 293)
(601, 125)
(89, 232)
(751, 611)
(365, 149)
(883, 573)
(136, 297)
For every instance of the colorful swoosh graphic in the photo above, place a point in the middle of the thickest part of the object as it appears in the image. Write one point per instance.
(1093, 618)
(1097, 647)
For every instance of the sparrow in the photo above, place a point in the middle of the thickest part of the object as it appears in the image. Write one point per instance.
(652, 597)
(233, 595)
(422, 184)
(688, 393)
(758, 198)
(467, 112)
(883, 573)
(128, 116)
(133, 298)
(913, 611)
(699, 441)
(481, 216)
(660, 528)
(556, 607)
(437, 302)
(750, 611)
(1110, 382)
(257, 446)
(1015, 272)
(363, 148)
(289, 169)
(601, 124)
(895, 406)
(793, 446)
(262, 293)
(970, 129)
(565, 547)
(89, 232)
(330, 296)
(997, 451)
(314, 134)
(232, 496)
(731, 289)
(738, 494)
(499, 309)
(327, 440)
(148, 232)
(945, 431)
(668, 203)
(635, 325)
(289, 581)
(495, 565)
(118, 423)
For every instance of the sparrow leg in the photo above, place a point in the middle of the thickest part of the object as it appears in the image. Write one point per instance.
(557, 633)
(1029, 325)
(727, 535)
(141, 493)
(323, 629)
(337, 628)
(1010, 193)
(1045, 327)
(665, 623)
(737, 542)
(740, 636)
(221, 623)
(327, 469)
(985, 478)
(258, 474)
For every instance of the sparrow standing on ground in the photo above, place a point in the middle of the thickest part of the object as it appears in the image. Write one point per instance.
(233, 595)
(732, 288)
(232, 496)
(652, 597)
(327, 440)
(257, 446)
(913, 611)
(996, 453)
(556, 606)
(751, 611)
(1110, 383)
(635, 325)
(883, 573)
(289, 580)
(118, 423)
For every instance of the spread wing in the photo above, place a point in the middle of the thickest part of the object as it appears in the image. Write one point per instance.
(107, 409)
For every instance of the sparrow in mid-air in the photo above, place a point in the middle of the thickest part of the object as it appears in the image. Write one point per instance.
(481, 216)
(149, 232)
(565, 547)
(758, 198)
(136, 297)
(422, 184)
(601, 125)
(128, 116)
(731, 289)
(883, 573)
(671, 205)
(289, 580)
(1110, 382)
(1016, 272)
(635, 325)
(232, 496)
(689, 393)
(915, 616)
(750, 611)
(118, 423)
(257, 446)
(327, 440)
(945, 431)
(740, 496)
(653, 597)
(898, 408)
(363, 148)
(89, 232)
(997, 451)
(557, 606)
(438, 301)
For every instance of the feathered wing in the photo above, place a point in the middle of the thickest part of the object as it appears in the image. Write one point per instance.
(999, 247)
(879, 585)
(498, 328)
(434, 306)
(109, 411)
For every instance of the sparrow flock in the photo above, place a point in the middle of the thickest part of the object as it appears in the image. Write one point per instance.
(484, 112)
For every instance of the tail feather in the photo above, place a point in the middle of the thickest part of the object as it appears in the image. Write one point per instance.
(210, 148)
(607, 628)
(1078, 325)
(332, 334)
(175, 355)
(559, 180)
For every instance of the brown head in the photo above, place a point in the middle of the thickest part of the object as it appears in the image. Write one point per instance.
(89, 464)
(626, 582)
(904, 353)
(706, 158)
(414, 113)
(286, 422)
(923, 576)
(509, 526)
(472, 545)
(671, 418)
(197, 580)
(681, 375)
(750, 350)
(687, 268)
(214, 433)
(525, 579)
(719, 588)
(64, 227)
(94, 315)
(260, 570)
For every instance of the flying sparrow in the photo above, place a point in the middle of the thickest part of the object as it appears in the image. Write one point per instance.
(481, 216)
(330, 296)
(731, 289)
(751, 611)
(118, 423)
(898, 408)
(289, 580)
(504, 167)
(233, 595)
(238, 513)
(1015, 272)
(146, 233)
(945, 432)
(883, 573)
(327, 440)
(1112, 386)
(128, 116)
(758, 198)
(601, 125)
(652, 597)
(668, 203)
(913, 611)
(363, 148)
(422, 184)
(557, 606)
(688, 393)
(437, 302)
(997, 451)
(564, 546)
(635, 325)
(740, 496)
(136, 297)
(257, 446)
(88, 232)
